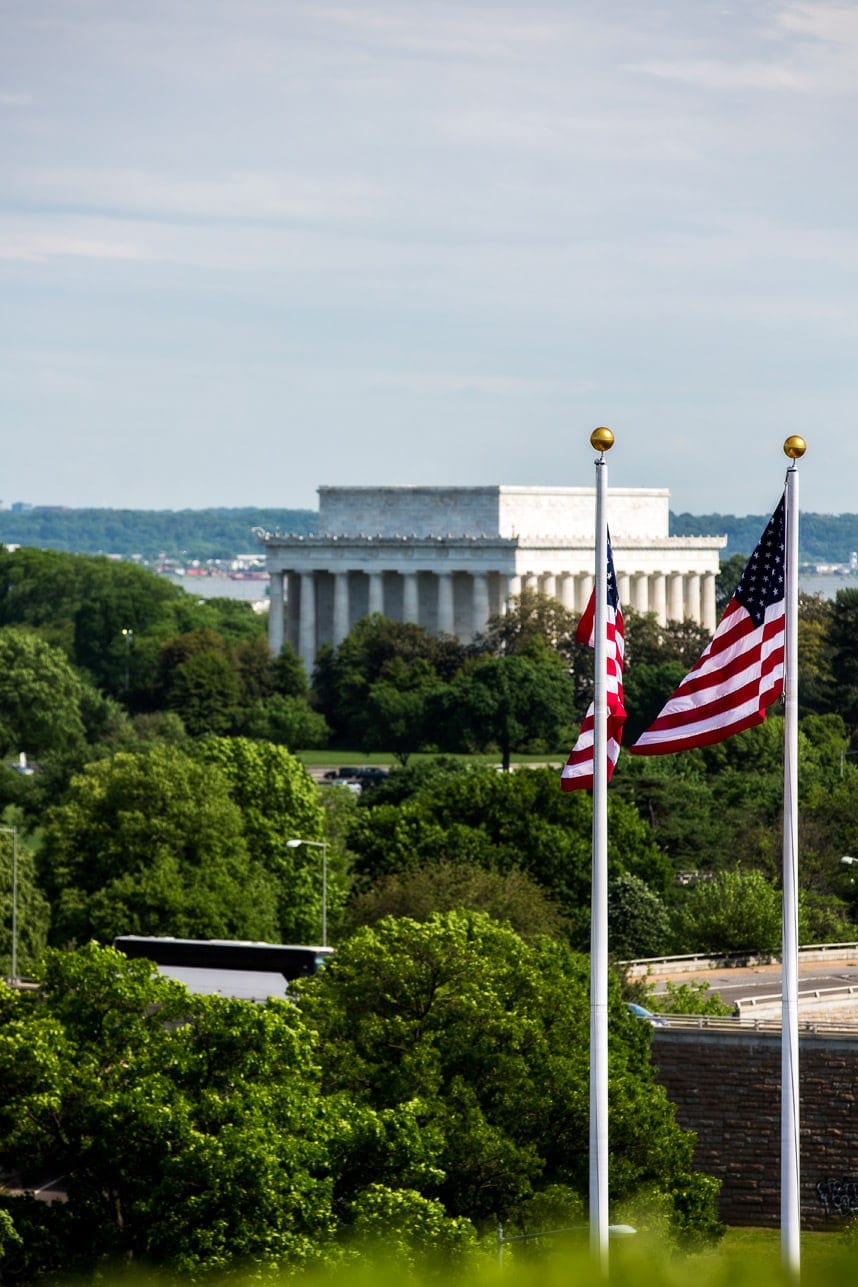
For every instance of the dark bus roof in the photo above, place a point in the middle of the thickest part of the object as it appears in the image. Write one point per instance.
(293, 961)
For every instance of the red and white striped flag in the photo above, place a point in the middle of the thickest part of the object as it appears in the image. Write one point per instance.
(741, 671)
(578, 772)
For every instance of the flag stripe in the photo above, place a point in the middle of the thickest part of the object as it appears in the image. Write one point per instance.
(578, 771)
(740, 673)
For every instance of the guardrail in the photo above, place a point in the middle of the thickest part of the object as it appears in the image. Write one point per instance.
(694, 962)
(732, 1023)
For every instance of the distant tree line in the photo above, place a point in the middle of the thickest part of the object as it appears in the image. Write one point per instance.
(824, 538)
(186, 533)
(223, 533)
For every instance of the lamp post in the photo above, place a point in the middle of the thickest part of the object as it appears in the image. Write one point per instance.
(13, 832)
(128, 636)
(323, 845)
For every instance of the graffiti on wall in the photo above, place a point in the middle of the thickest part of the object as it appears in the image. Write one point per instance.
(838, 1197)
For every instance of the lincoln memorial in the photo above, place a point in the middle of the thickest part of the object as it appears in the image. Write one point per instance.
(448, 558)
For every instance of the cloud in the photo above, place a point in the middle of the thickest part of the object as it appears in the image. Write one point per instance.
(32, 245)
(714, 74)
(443, 383)
(234, 196)
(457, 33)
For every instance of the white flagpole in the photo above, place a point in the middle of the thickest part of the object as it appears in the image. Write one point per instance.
(794, 447)
(602, 440)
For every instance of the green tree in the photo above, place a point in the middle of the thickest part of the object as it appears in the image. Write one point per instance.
(288, 721)
(397, 715)
(40, 696)
(279, 802)
(511, 702)
(531, 623)
(152, 843)
(729, 575)
(204, 692)
(192, 1135)
(343, 676)
(512, 897)
(490, 1036)
(695, 997)
(843, 641)
(816, 689)
(188, 1130)
(739, 911)
(503, 822)
(638, 921)
(33, 913)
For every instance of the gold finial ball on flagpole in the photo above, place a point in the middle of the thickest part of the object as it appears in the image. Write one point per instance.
(601, 439)
(795, 447)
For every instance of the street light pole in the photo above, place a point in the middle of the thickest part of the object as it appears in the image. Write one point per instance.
(13, 832)
(128, 636)
(323, 845)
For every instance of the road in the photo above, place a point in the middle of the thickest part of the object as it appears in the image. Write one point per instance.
(765, 980)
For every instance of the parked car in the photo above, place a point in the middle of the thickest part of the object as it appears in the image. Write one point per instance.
(369, 774)
(641, 1012)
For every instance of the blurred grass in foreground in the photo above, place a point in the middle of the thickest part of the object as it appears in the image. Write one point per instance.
(744, 1258)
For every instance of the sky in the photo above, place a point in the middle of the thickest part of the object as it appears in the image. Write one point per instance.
(250, 247)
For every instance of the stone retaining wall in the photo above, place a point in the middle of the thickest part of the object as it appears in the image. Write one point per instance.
(726, 1088)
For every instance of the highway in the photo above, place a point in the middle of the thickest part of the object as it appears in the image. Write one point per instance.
(742, 983)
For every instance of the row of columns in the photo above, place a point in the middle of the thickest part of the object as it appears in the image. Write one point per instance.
(671, 596)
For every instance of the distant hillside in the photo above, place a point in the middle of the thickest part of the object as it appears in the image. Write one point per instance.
(186, 533)
(823, 538)
(223, 533)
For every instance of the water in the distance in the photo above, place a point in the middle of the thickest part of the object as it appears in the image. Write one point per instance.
(826, 584)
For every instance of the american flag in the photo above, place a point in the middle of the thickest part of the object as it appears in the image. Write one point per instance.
(578, 772)
(741, 672)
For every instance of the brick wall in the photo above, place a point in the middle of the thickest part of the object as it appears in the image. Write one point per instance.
(726, 1088)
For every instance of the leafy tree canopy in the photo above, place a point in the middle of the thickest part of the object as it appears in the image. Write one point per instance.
(511, 702)
(153, 843)
(512, 897)
(279, 802)
(490, 1037)
(506, 821)
(41, 696)
(191, 1134)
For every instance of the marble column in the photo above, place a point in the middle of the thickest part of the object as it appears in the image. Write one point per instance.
(530, 582)
(376, 592)
(708, 601)
(567, 591)
(692, 596)
(549, 585)
(640, 592)
(341, 607)
(658, 597)
(513, 591)
(583, 589)
(292, 595)
(307, 648)
(480, 602)
(275, 613)
(446, 618)
(623, 589)
(675, 597)
(410, 597)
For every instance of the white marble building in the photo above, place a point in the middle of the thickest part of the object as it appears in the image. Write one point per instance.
(448, 558)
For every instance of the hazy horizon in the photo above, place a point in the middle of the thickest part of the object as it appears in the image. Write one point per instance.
(251, 248)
